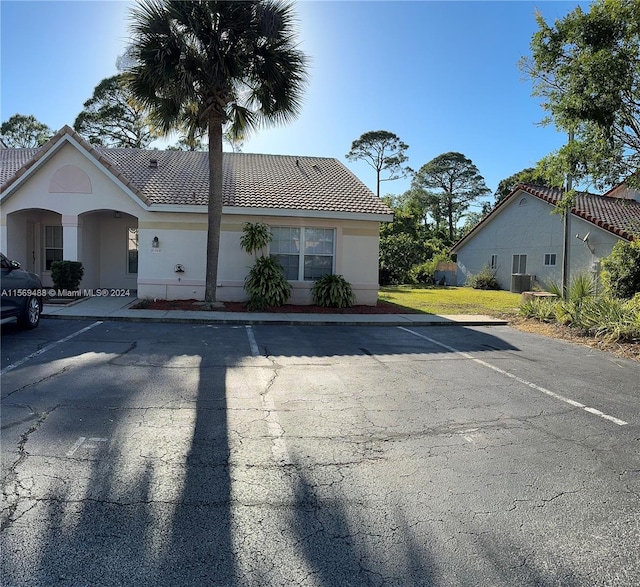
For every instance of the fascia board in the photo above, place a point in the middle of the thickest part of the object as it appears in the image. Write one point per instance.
(322, 214)
(275, 212)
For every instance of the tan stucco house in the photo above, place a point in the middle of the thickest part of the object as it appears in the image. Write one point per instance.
(137, 219)
(521, 241)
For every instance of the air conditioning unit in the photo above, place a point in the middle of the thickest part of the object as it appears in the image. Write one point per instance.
(520, 282)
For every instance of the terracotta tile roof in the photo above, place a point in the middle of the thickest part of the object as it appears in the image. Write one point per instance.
(11, 160)
(616, 215)
(249, 180)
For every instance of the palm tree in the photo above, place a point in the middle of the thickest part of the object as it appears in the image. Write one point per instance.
(238, 61)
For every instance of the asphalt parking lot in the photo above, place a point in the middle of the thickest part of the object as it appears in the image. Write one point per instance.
(175, 454)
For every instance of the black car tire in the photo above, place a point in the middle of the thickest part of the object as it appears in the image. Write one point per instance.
(30, 317)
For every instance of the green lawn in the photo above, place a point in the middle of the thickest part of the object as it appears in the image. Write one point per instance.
(450, 300)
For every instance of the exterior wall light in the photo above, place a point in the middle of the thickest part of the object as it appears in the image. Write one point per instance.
(155, 243)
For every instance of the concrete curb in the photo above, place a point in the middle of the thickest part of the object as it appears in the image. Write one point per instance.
(236, 318)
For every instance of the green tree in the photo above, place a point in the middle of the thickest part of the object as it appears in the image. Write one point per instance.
(237, 61)
(585, 69)
(470, 221)
(621, 269)
(398, 254)
(22, 131)
(455, 181)
(382, 150)
(112, 117)
(528, 175)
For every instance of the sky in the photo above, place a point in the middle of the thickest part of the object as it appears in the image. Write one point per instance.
(441, 75)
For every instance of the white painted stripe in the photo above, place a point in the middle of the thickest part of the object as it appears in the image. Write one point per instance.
(46, 348)
(519, 379)
(76, 445)
(255, 351)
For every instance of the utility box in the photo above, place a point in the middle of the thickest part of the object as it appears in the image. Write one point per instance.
(520, 282)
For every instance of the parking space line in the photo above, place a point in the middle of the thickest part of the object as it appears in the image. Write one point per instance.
(76, 445)
(255, 351)
(519, 379)
(46, 348)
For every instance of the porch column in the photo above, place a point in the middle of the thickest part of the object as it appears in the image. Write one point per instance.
(71, 238)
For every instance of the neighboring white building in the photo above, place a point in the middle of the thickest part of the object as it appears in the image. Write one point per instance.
(137, 219)
(521, 237)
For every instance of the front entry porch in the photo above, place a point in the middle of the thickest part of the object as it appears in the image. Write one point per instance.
(105, 241)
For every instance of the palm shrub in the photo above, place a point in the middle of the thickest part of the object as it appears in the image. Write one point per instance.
(601, 316)
(543, 309)
(255, 237)
(265, 284)
(580, 290)
(333, 291)
(611, 319)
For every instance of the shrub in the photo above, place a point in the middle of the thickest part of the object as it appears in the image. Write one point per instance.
(333, 291)
(486, 279)
(621, 270)
(423, 273)
(266, 284)
(67, 274)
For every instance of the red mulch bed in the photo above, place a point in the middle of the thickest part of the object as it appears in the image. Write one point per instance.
(380, 308)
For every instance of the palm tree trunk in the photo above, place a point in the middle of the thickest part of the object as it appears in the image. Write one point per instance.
(215, 205)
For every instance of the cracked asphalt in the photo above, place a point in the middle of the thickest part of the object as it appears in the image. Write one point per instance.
(175, 454)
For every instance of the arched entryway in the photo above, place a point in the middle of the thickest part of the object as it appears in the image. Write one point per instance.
(34, 238)
(105, 241)
(109, 240)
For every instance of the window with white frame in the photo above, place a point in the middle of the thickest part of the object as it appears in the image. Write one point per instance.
(494, 262)
(305, 253)
(132, 250)
(550, 259)
(519, 264)
(53, 250)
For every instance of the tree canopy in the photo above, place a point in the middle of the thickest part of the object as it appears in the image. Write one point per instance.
(455, 181)
(112, 117)
(585, 69)
(528, 175)
(236, 62)
(24, 131)
(382, 150)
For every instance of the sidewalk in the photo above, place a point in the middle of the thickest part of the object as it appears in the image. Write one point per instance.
(113, 308)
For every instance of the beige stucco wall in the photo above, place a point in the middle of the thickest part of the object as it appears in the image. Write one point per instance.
(182, 238)
(525, 226)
